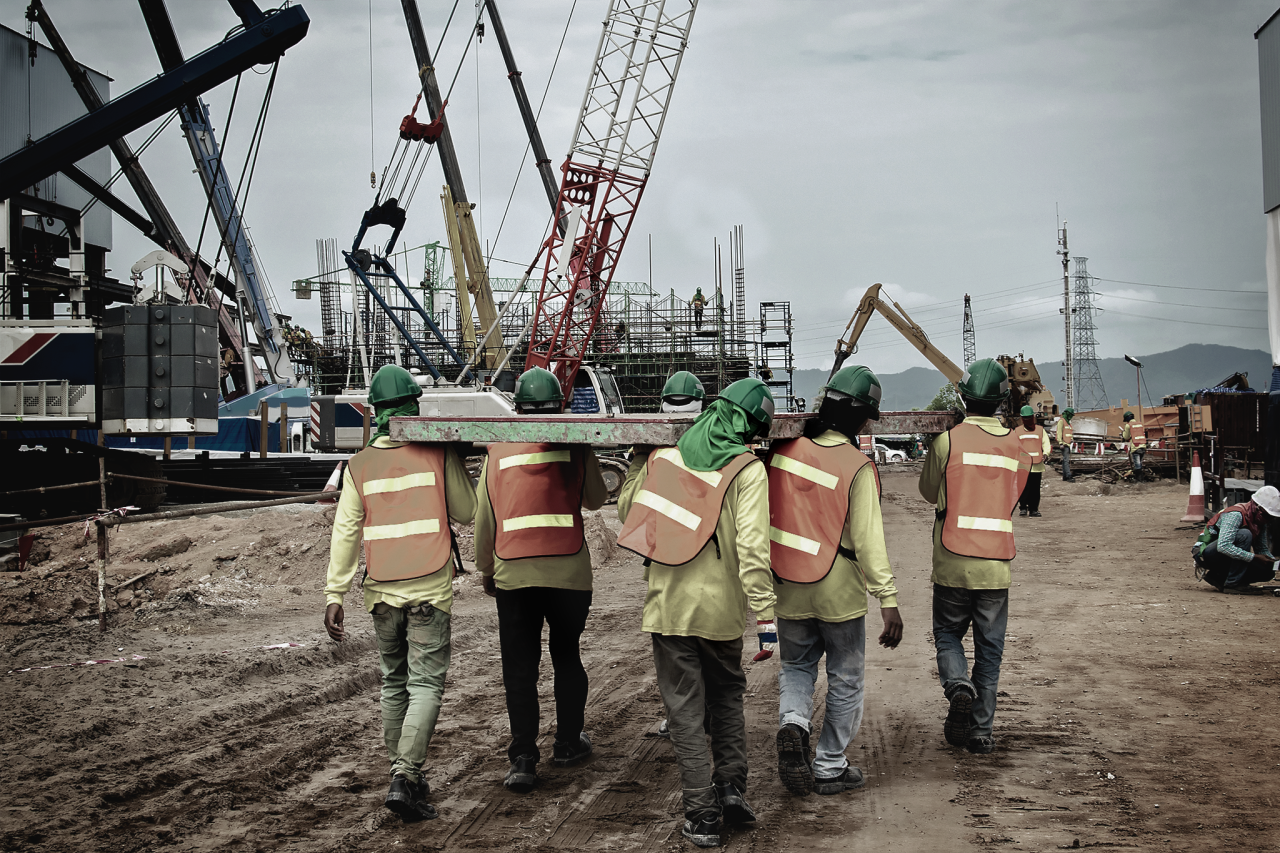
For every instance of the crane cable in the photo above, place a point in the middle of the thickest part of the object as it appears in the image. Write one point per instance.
(217, 167)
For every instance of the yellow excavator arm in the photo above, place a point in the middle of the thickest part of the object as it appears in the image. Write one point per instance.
(900, 320)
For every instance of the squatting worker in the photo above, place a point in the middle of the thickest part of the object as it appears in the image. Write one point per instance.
(531, 550)
(827, 550)
(1035, 441)
(1063, 435)
(1235, 549)
(1135, 433)
(974, 474)
(401, 497)
(699, 515)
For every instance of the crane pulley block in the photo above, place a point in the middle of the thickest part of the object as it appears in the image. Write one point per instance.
(412, 130)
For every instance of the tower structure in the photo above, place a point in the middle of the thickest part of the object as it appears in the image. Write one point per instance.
(1068, 362)
(1089, 391)
(970, 338)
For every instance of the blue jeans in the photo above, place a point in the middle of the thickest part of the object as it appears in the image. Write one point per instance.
(801, 644)
(1135, 459)
(1066, 462)
(988, 611)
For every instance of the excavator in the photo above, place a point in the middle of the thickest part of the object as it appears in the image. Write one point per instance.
(1025, 387)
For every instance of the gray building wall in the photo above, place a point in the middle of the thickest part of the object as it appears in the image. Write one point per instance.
(35, 100)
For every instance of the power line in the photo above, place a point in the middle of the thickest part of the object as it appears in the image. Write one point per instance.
(1178, 287)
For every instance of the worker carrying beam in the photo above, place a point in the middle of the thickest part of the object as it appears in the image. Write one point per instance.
(699, 515)
(401, 497)
(1064, 436)
(1135, 434)
(828, 552)
(1235, 549)
(974, 473)
(1035, 441)
(532, 553)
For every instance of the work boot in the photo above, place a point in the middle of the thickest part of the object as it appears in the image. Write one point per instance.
(1243, 589)
(703, 833)
(522, 775)
(1035, 514)
(569, 754)
(959, 717)
(408, 800)
(1023, 512)
(982, 745)
(849, 779)
(793, 759)
(664, 730)
(733, 804)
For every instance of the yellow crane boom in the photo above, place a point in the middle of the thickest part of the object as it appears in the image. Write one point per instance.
(900, 320)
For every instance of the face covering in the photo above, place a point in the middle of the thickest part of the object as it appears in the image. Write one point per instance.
(384, 414)
(716, 437)
(693, 406)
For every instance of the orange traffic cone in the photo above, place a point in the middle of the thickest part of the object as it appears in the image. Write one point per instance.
(1195, 502)
(336, 477)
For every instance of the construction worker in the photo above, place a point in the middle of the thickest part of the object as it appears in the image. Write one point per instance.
(974, 473)
(1235, 549)
(532, 554)
(683, 393)
(1135, 433)
(1035, 441)
(827, 552)
(699, 515)
(401, 497)
(1063, 435)
(698, 302)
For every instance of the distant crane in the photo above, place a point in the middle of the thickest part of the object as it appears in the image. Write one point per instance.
(970, 339)
(604, 176)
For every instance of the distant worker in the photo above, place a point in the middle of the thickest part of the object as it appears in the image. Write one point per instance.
(699, 515)
(1035, 441)
(1235, 549)
(401, 497)
(974, 473)
(1064, 436)
(698, 302)
(765, 371)
(532, 554)
(1135, 433)
(827, 553)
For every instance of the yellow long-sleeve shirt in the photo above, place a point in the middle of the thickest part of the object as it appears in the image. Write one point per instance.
(1058, 429)
(842, 594)
(572, 572)
(952, 569)
(1045, 448)
(435, 589)
(709, 596)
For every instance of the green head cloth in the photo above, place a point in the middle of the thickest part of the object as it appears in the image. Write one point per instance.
(383, 415)
(716, 437)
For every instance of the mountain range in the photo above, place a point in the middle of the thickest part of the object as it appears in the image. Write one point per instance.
(1187, 368)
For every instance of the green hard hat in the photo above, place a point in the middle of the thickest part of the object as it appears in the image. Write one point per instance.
(1068, 412)
(1027, 412)
(859, 383)
(538, 385)
(985, 380)
(1128, 416)
(392, 382)
(752, 395)
(683, 384)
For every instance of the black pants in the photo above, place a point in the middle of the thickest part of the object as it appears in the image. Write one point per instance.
(1030, 498)
(1221, 570)
(697, 677)
(521, 613)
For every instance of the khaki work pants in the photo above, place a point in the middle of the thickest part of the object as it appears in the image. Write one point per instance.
(414, 653)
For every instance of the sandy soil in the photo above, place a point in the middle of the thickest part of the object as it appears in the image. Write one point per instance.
(1137, 706)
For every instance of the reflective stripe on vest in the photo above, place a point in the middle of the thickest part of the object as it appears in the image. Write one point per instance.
(676, 510)
(546, 477)
(985, 474)
(866, 443)
(1067, 433)
(406, 531)
(809, 505)
(1138, 435)
(1034, 444)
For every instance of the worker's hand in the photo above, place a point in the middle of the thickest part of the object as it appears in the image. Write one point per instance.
(333, 617)
(490, 586)
(767, 632)
(892, 633)
(1263, 558)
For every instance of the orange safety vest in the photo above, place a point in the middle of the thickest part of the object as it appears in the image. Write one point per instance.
(1137, 435)
(406, 524)
(1067, 433)
(1251, 525)
(548, 478)
(866, 444)
(809, 505)
(676, 511)
(985, 474)
(1032, 442)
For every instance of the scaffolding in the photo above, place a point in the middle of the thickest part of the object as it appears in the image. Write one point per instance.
(775, 363)
(1090, 394)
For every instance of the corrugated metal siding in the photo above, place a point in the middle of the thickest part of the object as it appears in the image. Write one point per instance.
(1240, 420)
(36, 100)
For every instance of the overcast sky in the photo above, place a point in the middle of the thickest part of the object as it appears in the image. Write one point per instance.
(926, 145)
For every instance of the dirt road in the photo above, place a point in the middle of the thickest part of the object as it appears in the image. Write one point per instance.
(1137, 707)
